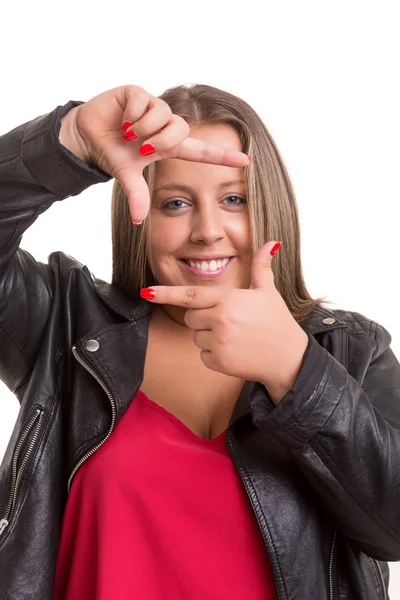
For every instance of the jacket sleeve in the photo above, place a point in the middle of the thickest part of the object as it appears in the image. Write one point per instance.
(35, 171)
(345, 439)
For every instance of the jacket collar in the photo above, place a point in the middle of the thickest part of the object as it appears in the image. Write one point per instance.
(318, 321)
(131, 309)
(132, 342)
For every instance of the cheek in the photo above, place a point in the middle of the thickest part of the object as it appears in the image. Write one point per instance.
(239, 232)
(165, 242)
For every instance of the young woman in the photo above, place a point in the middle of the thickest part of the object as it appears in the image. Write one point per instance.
(202, 427)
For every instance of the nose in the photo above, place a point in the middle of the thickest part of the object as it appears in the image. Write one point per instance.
(207, 224)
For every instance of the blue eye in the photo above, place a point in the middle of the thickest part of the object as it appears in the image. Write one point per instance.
(243, 201)
(168, 205)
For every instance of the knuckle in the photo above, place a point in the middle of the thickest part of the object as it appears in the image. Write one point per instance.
(189, 296)
(137, 89)
(184, 125)
(187, 316)
(177, 132)
(232, 317)
(165, 107)
(204, 154)
(207, 359)
(227, 319)
(135, 93)
(181, 129)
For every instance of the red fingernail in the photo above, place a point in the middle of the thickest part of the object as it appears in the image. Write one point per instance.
(130, 135)
(147, 149)
(275, 248)
(250, 159)
(126, 125)
(147, 293)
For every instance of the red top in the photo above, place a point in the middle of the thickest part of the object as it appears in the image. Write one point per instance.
(159, 512)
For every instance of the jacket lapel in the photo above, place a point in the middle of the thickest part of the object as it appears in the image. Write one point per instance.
(119, 341)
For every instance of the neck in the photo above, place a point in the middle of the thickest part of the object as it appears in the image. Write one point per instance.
(173, 318)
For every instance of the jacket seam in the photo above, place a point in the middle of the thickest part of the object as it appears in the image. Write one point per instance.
(374, 568)
(60, 161)
(37, 182)
(376, 342)
(86, 445)
(254, 493)
(338, 475)
(19, 348)
(360, 322)
(51, 417)
(21, 385)
(7, 159)
(103, 370)
(297, 421)
(26, 480)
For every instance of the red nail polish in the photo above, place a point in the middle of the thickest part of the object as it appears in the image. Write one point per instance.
(147, 293)
(275, 248)
(130, 135)
(126, 125)
(147, 149)
(250, 159)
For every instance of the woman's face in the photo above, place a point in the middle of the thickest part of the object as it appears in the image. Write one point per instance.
(206, 220)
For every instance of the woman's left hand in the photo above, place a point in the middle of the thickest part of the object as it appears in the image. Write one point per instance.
(245, 333)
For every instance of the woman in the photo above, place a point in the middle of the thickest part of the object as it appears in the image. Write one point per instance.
(260, 456)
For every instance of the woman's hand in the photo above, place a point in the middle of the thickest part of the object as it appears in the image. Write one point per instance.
(95, 130)
(245, 333)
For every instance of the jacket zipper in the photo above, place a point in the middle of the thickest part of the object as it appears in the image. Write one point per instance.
(256, 505)
(331, 567)
(378, 566)
(35, 423)
(113, 419)
(253, 503)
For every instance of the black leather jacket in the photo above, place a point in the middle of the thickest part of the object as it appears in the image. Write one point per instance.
(321, 470)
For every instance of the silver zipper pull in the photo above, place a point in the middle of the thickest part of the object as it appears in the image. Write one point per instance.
(3, 525)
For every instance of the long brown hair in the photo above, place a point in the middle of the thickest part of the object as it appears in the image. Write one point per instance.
(272, 205)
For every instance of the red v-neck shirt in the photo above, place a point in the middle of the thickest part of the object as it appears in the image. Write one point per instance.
(159, 513)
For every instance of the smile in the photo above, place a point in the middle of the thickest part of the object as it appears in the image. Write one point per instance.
(214, 273)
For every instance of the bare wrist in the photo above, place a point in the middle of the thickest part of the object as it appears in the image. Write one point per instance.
(70, 138)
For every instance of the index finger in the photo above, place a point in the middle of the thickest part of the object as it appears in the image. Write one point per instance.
(189, 296)
(198, 151)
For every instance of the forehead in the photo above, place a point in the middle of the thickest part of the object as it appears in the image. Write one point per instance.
(222, 135)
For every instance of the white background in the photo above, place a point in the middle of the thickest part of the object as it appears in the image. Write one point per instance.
(324, 78)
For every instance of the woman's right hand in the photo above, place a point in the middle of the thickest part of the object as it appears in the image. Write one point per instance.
(96, 127)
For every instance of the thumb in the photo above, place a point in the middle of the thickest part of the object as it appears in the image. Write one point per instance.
(261, 270)
(137, 192)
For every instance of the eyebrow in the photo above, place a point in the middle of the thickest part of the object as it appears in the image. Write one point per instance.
(188, 189)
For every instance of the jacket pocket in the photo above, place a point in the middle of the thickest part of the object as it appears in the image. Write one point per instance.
(23, 453)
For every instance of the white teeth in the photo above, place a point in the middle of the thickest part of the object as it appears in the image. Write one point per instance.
(213, 265)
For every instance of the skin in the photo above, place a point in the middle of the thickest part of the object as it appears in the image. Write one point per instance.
(205, 222)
